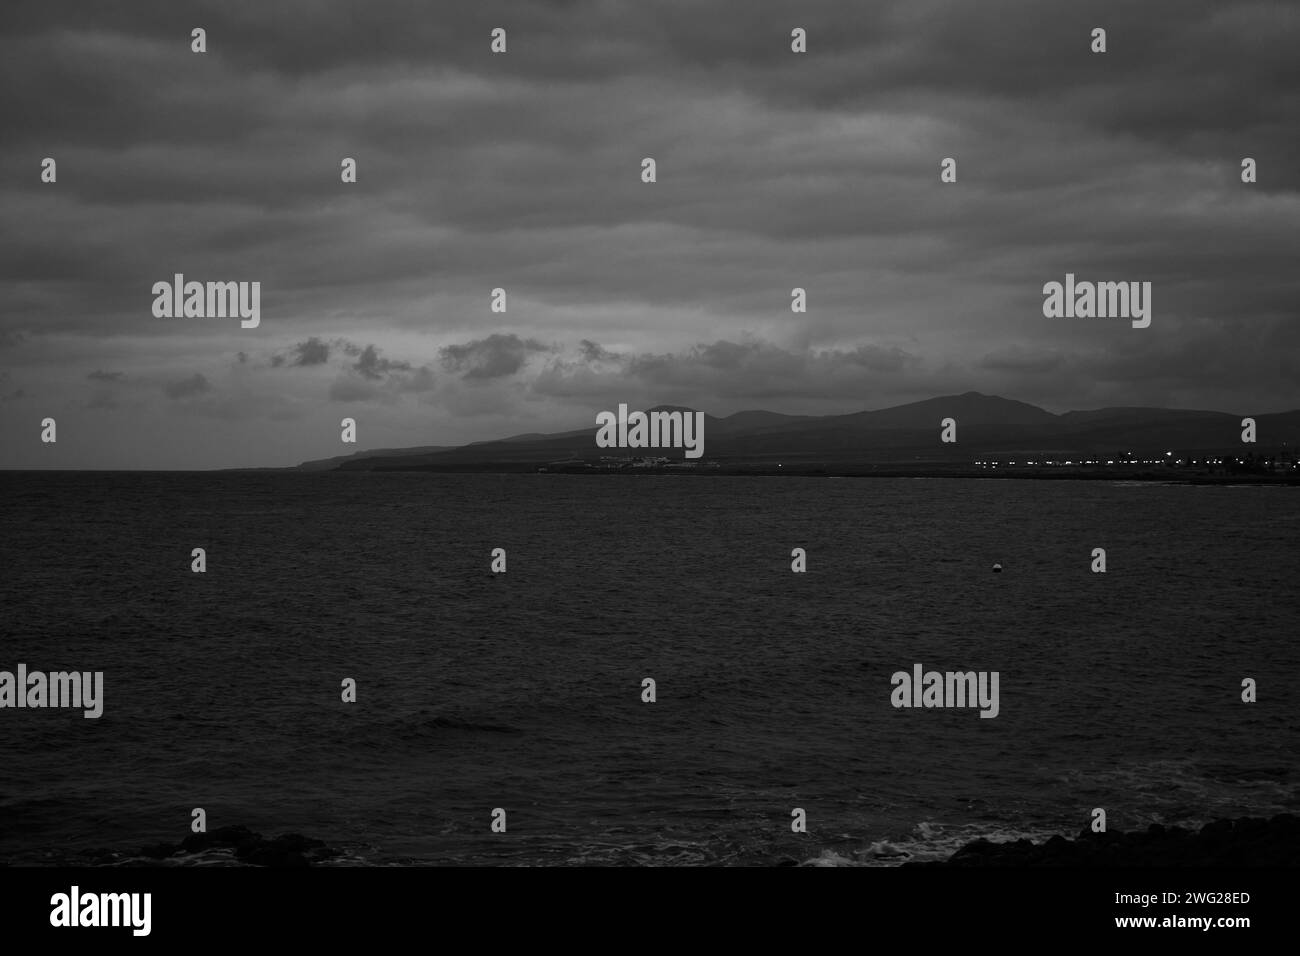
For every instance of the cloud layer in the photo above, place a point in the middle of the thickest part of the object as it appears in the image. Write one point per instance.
(522, 171)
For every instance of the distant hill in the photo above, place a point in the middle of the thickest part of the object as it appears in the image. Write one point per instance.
(329, 464)
(987, 426)
(970, 408)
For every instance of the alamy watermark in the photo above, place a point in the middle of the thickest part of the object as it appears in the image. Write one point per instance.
(651, 430)
(1101, 300)
(950, 689)
(56, 689)
(208, 300)
(74, 908)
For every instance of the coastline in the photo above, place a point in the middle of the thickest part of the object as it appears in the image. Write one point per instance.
(1246, 841)
(1240, 842)
(715, 470)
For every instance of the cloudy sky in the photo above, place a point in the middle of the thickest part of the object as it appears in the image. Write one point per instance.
(523, 171)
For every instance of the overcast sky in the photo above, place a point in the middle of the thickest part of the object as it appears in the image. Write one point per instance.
(523, 171)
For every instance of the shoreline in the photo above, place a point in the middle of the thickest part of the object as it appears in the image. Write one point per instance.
(1245, 841)
(1240, 842)
(1145, 477)
(715, 470)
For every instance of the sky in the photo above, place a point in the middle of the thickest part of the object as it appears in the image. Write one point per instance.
(522, 171)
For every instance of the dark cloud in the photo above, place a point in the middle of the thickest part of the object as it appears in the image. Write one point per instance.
(371, 366)
(397, 379)
(311, 352)
(196, 384)
(372, 377)
(592, 352)
(496, 356)
(722, 370)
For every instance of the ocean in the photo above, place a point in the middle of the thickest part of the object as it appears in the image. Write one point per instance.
(523, 690)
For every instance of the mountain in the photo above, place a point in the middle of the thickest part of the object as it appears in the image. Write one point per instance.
(329, 464)
(747, 421)
(988, 426)
(970, 408)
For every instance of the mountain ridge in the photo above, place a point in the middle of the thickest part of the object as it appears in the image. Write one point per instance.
(985, 424)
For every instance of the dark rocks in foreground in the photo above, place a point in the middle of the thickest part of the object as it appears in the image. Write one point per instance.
(290, 849)
(1250, 841)
(1247, 842)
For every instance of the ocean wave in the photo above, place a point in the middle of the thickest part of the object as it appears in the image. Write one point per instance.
(929, 842)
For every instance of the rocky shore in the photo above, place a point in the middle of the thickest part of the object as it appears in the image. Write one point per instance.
(1246, 842)
(228, 846)
(1250, 841)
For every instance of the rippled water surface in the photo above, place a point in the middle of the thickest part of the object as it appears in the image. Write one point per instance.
(523, 690)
